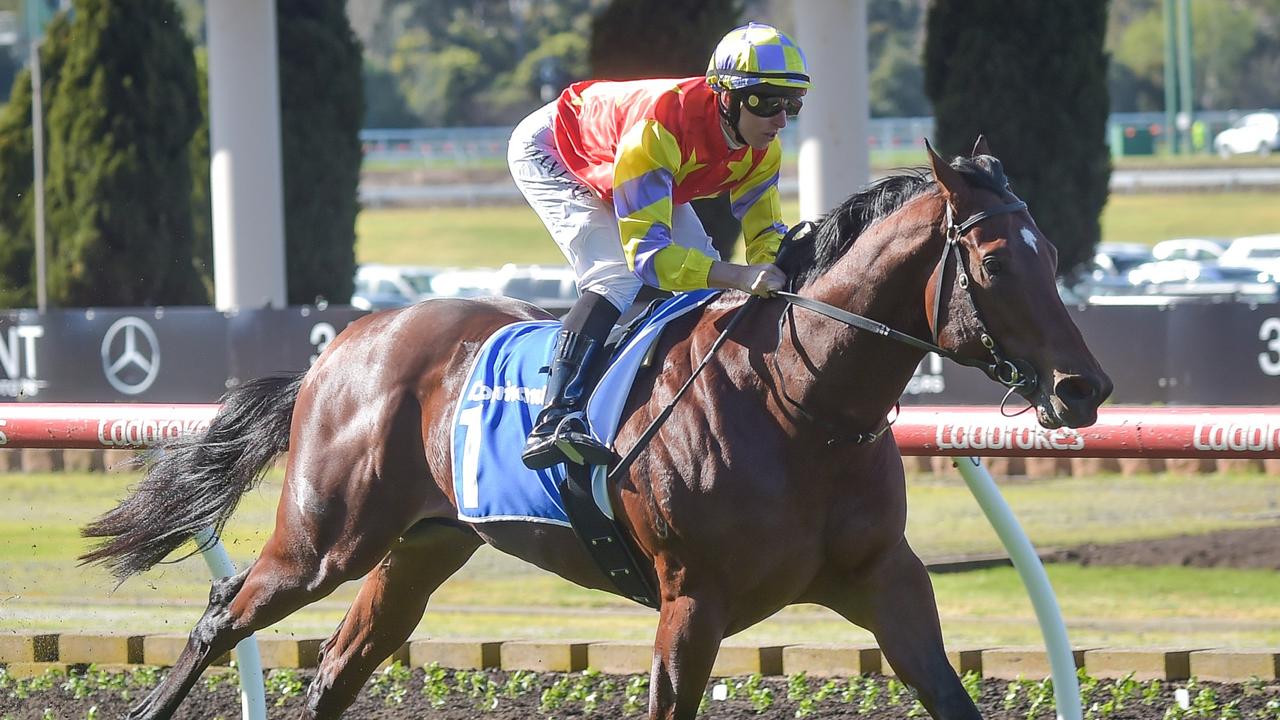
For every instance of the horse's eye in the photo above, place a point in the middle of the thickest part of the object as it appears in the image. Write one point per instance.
(991, 266)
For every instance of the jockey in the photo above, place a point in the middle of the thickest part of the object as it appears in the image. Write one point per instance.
(610, 168)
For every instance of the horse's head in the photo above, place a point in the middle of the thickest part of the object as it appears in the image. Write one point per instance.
(993, 299)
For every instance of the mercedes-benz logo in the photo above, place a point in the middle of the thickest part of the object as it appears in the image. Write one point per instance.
(129, 365)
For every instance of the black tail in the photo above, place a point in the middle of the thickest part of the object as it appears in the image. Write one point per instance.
(195, 482)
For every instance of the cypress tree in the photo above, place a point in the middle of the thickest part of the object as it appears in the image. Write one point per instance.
(201, 184)
(119, 184)
(17, 211)
(321, 110)
(17, 229)
(1032, 77)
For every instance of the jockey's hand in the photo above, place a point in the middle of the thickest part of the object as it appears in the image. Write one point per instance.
(763, 279)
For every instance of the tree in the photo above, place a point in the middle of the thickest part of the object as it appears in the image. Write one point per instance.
(1032, 77)
(121, 108)
(201, 185)
(692, 30)
(321, 110)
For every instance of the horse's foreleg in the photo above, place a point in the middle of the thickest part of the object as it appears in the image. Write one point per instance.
(690, 629)
(390, 604)
(896, 603)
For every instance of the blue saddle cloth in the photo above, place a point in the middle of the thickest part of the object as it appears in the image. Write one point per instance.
(504, 393)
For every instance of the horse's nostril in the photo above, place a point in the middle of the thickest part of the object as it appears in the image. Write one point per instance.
(1075, 388)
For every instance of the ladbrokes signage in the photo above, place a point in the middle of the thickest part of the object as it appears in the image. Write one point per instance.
(1253, 433)
(1203, 354)
(1006, 437)
(132, 433)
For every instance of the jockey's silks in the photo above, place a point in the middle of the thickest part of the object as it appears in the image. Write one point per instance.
(647, 145)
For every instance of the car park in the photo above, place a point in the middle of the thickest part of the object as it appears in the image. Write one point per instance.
(379, 287)
(1255, 252)
(1199, 249)
(1193, 272)
(1253, 133)
(1108, 272)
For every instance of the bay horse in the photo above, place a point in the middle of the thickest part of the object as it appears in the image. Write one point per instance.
(772, 482)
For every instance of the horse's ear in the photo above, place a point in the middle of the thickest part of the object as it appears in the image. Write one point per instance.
(948, 179)
(980, 147)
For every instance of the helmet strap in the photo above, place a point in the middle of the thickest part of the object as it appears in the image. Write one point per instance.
(730, 107)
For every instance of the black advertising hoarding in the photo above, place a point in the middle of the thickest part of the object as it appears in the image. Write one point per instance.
(1185, 354)
(113, 355)
(161, 355)
(269, 342)
(1180, 354)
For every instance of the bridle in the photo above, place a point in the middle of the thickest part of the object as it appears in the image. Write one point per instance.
(1018, 375)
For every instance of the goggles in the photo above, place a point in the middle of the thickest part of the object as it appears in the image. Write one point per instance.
(769, 105)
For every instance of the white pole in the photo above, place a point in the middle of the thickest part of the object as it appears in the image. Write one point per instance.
(253, 700)
(834, 160)
(246, 178)
(1066, 689)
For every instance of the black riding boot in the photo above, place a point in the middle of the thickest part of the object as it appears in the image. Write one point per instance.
(560, 433)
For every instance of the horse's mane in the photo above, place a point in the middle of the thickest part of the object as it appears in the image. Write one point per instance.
(838, 229)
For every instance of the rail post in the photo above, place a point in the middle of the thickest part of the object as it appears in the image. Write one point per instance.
(1066, 688)
(253, 700)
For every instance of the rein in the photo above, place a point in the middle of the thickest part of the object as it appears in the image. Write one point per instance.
(793, 237)
(1017, 375)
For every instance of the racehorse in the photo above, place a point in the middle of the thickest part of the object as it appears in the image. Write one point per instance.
(772, 482)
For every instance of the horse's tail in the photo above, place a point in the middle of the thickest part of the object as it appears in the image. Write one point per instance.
(195, 482)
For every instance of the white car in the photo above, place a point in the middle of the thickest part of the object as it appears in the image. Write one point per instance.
(378, 287)
(1200, 249)
(1256, 252)
(1254, 133)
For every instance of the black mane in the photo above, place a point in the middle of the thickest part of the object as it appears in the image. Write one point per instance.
(838, 229)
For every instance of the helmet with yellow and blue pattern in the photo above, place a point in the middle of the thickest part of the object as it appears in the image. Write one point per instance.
(757, 54)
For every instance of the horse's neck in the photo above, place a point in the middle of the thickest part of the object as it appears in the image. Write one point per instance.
(854, 374)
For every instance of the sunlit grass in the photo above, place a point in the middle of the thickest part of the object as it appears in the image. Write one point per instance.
(498, 596)
(1150, 218)
(492, 235)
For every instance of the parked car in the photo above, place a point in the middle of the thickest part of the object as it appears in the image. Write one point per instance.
(1109, 270)
(379, 287)
(470, 282)
(1190, 272)
(1256, 252)
(549, 287)
(1254, 133)
(1201, 249)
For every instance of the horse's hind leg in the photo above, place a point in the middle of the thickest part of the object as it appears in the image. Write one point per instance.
(390, 604)
(895, 602)
(343, 508)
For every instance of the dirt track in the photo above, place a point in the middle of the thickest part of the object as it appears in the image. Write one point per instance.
(1256, 548)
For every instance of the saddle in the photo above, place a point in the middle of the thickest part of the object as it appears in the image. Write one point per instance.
(503, 392)
(585, 494)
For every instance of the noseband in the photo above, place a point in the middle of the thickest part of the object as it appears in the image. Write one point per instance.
(1017, 375)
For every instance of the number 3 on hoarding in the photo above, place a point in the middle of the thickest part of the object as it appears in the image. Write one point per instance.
(1269, 333)
(322, 333)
